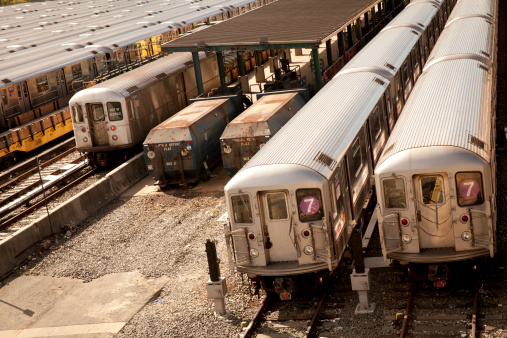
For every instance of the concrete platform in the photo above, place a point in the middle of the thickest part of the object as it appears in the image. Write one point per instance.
(40, 306)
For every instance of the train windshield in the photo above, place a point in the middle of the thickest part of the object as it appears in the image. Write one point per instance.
(114, 111)
(77, 113)
(97, 112)
(241, 209)
(394, 193)
(469, 187)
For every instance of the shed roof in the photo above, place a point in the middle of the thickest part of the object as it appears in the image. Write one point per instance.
(283, 24)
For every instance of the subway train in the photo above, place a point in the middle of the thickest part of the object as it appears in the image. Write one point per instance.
(119, 113)
(292, 208)
(436, 180)
(64, 47)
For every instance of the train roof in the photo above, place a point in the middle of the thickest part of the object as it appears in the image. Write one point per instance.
(142, 77)
(450, 103)
(325, 126)
(400, 35)
(96, 28)
(465, 9)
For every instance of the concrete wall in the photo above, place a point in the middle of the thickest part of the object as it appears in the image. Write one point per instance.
(13, 250)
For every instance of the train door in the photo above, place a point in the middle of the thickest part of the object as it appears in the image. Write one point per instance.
(61, 86)
(277, 222)
(416, 63)
(377, 130)
(406, 78)
(399, 94)
(423, 47)
(23, 97)
(433, 208)
(97, 120)
(180, 91)
(358, 172)
(389, 109)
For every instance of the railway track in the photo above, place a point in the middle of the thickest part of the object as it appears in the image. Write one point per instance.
(429, 312)
(30, 186)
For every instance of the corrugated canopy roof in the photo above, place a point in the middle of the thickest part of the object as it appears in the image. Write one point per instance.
(283, 24)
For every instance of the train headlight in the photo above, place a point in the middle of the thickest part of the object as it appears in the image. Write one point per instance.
(184, 152)
(151, 154)
(113, 128)
(251, 236)
(405, 222)
(466, 236)
(254, 253)
(464, 218)
(306, 233)
(308, 250)
(227, 149)
(406, 239)
(115, 137)
(85, 139)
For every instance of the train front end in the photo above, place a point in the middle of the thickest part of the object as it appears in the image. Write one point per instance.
(277, 230)
(100, 121)
(434, 208)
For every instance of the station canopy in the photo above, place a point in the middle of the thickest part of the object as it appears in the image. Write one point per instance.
(281, 24)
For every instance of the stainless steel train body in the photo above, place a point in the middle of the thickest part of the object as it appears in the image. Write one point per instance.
(435, 181)
(187, 145)
(292, 207)
(62, 53)
(120, 112)
(246, 134)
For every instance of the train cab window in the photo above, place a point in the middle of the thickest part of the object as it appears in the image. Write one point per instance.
(5, 100)
(241, 208)
(114, 111)
(469, 188)
(97, 112)
(309, 205)
(277, 206)
(394, 193)
(42, 83)
(432, 188)
(77, 113)
(76, 71)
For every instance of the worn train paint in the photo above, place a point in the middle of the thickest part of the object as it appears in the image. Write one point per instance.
(247, 133)
(183, 148)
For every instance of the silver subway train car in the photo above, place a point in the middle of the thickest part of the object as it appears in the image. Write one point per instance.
(292, 207)
(120, 112)
(435, 181)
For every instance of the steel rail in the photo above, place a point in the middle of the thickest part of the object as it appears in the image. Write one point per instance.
(14, 219)
(315, 317)
(408, 311)
(475, 310)
(256, 318)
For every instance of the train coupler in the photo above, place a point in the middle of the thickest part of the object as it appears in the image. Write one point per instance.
(439, 275)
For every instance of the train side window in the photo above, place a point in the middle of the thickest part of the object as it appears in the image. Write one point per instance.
(5, 100)
(42, 83)
(277, 206)
(394, 193)
(76, 71)
(375, 125)
(389, 107)
(406, 78)
(469, 188)
(97, 112)
(241, 208)
(77, 112)
(309, 205)
(114, 111)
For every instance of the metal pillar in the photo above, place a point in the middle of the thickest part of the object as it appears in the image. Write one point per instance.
(373, 18)
(257, 58)
(359, 32)
(341, 44)
(349, 37)
(220, 60)
(271, 52)
(329, 53)
(366, 22)
(198, 74)
(384, 7)
(241, 65)
(316, 68)
(216, 285)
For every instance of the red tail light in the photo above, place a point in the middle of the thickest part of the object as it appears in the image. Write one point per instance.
(83, 129)
(113, 128)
